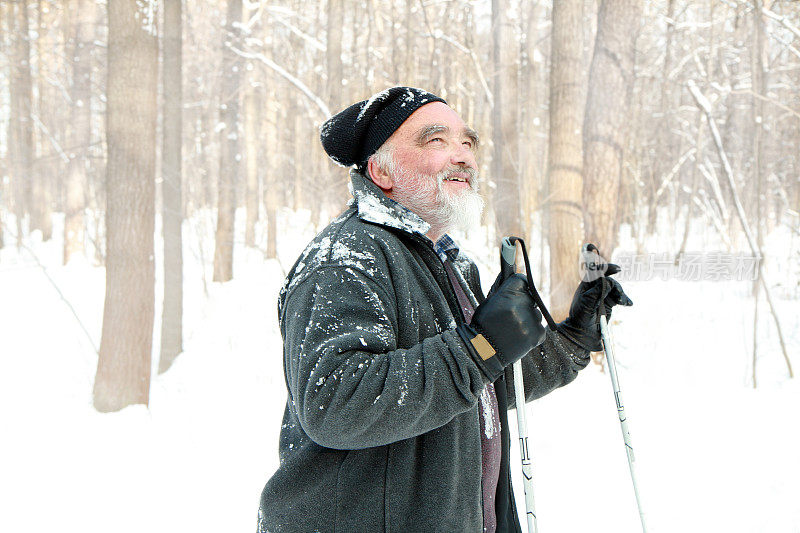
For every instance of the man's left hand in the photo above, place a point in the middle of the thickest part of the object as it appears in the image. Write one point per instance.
(583, 324)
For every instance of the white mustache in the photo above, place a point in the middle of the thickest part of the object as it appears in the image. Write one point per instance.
(472, 175)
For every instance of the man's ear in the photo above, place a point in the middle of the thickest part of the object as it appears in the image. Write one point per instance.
(379, 177)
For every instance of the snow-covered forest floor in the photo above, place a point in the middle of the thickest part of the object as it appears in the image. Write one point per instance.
(713, 454)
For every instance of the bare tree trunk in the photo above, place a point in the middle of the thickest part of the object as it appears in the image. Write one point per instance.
(337, 187)
(272, 161)
(206, 127)
(333, 54)
(755, 334)
(80, 129)
(504, 127)
(736, 128)
(664, 138)
(123, 369)
(253, 113)
(610, 87)
(294, 157)
(6, 28)
(705, 105)
(20, 141)
(759, 84)
(527, 102)
(410, 40)
(171, 188)
(252, 121)
(229, 156)
(565, 156)
(42, 207)
(271, 183)
(699, 143)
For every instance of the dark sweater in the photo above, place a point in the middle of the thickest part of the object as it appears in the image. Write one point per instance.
(488, 415)
(381, 427)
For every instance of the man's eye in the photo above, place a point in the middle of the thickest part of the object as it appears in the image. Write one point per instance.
(436, 139)
(468, 143)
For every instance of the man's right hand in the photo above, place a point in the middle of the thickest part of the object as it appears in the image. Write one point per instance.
(505, 327)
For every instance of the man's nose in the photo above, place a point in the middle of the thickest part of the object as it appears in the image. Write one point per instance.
(463, 156)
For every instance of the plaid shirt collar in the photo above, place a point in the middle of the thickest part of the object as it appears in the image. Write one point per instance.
(446, 248)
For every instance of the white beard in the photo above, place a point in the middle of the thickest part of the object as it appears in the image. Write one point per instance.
(444, 210)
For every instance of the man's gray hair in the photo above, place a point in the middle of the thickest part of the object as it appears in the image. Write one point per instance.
(384, 158)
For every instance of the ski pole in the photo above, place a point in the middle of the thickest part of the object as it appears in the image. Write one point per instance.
(608, 348)
(508, 253)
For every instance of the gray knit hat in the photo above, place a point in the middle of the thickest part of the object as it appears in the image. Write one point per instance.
(351, 136)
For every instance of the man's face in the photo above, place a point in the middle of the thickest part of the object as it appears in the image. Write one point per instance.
(435, 171)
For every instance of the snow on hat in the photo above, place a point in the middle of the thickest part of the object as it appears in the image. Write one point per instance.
(352, 135)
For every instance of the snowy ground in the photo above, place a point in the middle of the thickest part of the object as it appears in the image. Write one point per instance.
(712, 453)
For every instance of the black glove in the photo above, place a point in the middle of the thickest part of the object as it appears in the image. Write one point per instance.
(496, 285)
(583, 324)
(504, 328)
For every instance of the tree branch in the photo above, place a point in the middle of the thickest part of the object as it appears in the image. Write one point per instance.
(291, 79)
(783, 20)
(473, 57)
(705, 105)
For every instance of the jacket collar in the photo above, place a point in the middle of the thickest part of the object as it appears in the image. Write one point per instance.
(374, 206)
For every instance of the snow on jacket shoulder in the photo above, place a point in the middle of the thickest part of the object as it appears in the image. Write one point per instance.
(381, 426)
(369, 352)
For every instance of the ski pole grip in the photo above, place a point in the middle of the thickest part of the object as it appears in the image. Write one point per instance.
(508, 258)
(593, 265)
(511, 242)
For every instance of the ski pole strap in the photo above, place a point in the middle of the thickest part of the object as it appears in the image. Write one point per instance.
(534, 293)
(538, 299)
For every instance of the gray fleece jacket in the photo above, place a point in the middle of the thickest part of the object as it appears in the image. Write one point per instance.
(381, 430)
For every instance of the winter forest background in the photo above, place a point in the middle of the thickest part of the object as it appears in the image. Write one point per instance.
(160, 171)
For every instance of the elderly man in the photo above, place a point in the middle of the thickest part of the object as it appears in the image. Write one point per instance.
(397, 367)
